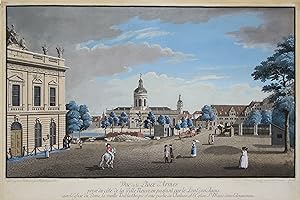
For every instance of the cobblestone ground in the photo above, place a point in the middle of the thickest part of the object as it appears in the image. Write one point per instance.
(145, 159)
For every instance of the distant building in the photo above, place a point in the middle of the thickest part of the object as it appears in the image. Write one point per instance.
(36, 113)
(232, 114)
(139, 111)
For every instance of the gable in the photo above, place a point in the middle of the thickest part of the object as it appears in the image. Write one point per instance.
(15, 78)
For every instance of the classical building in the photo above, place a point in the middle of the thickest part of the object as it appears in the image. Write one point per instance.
(35, 99)
(138, 113)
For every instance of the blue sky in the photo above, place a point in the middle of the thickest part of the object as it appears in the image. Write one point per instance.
(208, 49)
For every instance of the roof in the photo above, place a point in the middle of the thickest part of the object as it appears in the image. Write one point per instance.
(160, 108)
(197, 113)
(96, 118)
(223, 110)
(122, 108)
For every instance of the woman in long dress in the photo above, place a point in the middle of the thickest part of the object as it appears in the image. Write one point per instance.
(194, 149)
(243, 164)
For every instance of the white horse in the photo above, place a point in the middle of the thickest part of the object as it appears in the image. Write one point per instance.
(107, 159)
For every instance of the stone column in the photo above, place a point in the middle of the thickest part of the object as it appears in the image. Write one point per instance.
(270, 129)
(241, 129)
(255, 129)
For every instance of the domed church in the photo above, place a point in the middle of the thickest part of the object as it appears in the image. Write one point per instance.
(140, 109)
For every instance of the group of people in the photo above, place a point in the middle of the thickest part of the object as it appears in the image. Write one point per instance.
(67, 141)
(168, 153)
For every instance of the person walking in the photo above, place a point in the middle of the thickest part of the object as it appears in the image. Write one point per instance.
(166, 153)
(243, 163)
(171, 153)
(194, 149)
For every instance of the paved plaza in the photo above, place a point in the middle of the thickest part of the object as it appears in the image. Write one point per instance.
(145, 159)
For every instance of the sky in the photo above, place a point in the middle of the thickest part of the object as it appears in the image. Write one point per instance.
(205, 54)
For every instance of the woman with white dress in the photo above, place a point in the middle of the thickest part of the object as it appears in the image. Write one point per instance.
(243, 164)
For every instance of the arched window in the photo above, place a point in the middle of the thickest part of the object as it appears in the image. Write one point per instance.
(16, 126)
(38, 134)
(52, 133)
(140, 102)
(144, 102)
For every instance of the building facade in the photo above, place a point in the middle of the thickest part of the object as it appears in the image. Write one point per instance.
(138, 113)
(36, 113)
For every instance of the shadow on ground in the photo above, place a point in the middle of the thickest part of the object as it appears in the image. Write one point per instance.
(94, 168)
(266, 146)
(222, 150)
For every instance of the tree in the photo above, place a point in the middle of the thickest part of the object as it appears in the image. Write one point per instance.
(78, 117)
(284, 108)
(266, 117)
(85, 118)
(177, 127)
(105, 123)
(278, 70)
(167, 119)
(113, 120)
(183, 123)
(207, 114)
(161, 120)
(254, 118)
(123, 120)
(189, 123)
(73, 117)
(151, 118)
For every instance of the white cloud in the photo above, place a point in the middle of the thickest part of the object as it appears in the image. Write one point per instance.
(163, 90)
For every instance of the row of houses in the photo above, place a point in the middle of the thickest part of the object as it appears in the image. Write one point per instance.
(225, 114)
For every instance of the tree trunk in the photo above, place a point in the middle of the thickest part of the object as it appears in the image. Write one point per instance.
(150, 130)
(79, 134)
(287, 146)
(105, 131)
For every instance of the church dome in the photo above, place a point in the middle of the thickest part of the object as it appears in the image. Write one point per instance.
(140, 89)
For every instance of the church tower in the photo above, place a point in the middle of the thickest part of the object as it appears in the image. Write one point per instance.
(179, 105)
(140, 96)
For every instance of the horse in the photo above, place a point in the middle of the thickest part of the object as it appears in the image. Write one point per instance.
(108, 159)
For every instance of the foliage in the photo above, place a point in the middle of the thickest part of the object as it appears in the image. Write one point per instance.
(207, 114)
(167, 119)
(266, 117)
(189, 123)
(105, 123)
(78, 117)
(123, 119)
(282, 106)
(161, 120)
(278, 70)
(177, 126)
(183, 123)
(254, 118)
(151, 118)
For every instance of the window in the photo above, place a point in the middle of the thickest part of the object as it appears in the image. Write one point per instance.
(38, 134)
(52, 96)
(37, 96)
(16, 95)
(144, 102)
(140, 102)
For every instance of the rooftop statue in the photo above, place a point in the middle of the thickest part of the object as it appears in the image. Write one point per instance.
(45, 49)
(12, 38)
(60, 51)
